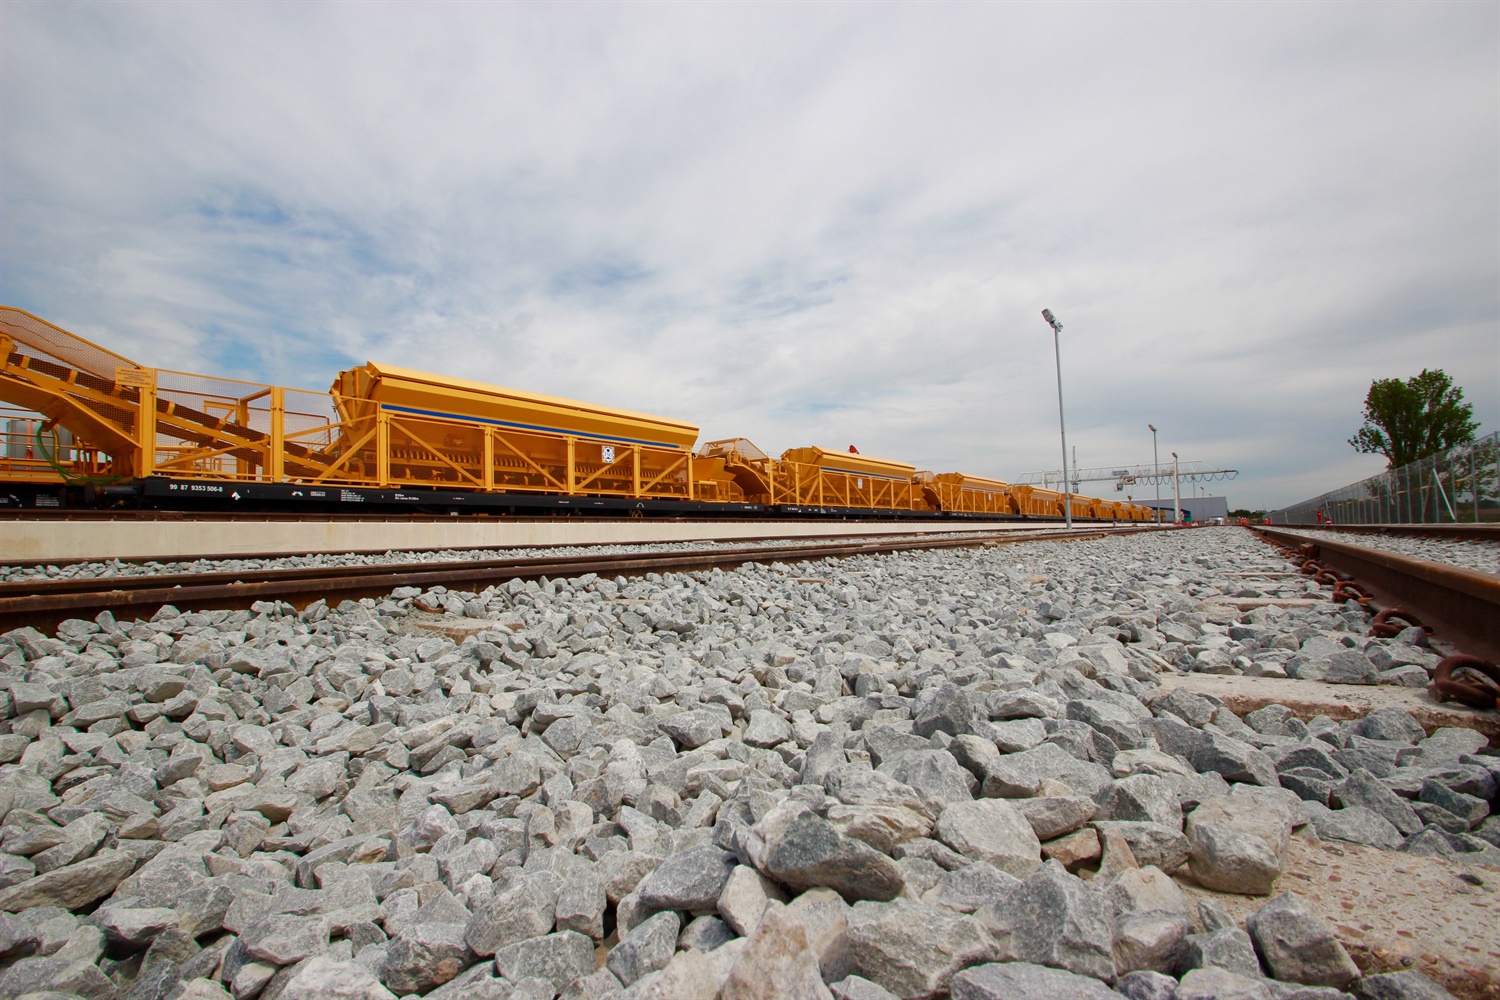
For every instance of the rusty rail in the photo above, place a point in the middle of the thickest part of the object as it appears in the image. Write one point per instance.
(1461, 606)
(1484, 532)
(43, 604)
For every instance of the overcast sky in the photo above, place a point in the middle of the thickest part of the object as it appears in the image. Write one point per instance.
(825, 224)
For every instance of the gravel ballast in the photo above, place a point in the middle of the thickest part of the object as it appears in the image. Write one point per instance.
(1479, 555)
(950, 772)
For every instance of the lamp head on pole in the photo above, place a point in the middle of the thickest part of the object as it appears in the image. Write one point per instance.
(1052, 321)
(1151, 428)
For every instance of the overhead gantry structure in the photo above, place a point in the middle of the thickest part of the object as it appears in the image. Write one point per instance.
(1133, 475)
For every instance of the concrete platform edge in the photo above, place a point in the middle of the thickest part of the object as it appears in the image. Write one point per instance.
(34, 542)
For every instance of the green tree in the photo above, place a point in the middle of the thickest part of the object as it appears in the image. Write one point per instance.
(1407, 421)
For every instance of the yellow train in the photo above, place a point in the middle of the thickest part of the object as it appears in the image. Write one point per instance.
(86, 426)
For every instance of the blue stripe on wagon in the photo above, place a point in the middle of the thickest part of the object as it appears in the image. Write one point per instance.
(525, 427)
(867, 475)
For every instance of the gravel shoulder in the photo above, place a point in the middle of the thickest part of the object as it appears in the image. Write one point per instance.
(1477, 555)
(969, 773)
(1310, 699)
(1394, 911)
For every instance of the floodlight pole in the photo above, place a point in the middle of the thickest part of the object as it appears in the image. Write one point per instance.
(1061, 426)
(1176, 493)
(1156, 469)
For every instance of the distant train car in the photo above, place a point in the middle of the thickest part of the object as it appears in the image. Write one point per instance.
(816, 477)
(954, 492)
(813, 477)
(1039, 502)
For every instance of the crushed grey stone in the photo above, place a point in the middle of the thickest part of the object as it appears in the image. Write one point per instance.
(465, 793)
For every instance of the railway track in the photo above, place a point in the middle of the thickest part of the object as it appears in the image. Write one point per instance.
(1461, 606)
(45, 603)
(87, 514)
(60, 538)
(770, 533)
(1460, 532)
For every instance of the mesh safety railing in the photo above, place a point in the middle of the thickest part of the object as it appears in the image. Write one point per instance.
(1461, 484)
(54, 343)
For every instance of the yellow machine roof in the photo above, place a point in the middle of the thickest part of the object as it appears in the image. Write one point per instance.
(972, 482)
(843, 461)
(443, 395)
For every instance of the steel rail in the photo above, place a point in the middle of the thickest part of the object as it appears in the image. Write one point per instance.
(1462, 532)
(1461, 605)
(43, 604)
(152, 514)
(159, 581)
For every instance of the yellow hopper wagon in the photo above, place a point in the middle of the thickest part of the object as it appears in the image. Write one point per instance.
(1083, 507)
(812, 477)
(954, 492)
(1033, 501)
(409, 428)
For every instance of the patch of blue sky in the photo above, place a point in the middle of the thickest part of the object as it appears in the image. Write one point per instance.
(265, 254)
(862, 215)
(364, 254)
(604, 275)
(780, 291)
(21, 290)
(233, 353)
(29, 270)
(276, 233)
(963, 228)
(241, 206)
(274, 352)
(814, 407)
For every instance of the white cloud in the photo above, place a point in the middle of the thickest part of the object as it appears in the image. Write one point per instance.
(804, 224)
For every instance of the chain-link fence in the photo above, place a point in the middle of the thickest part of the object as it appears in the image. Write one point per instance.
(1461, 484)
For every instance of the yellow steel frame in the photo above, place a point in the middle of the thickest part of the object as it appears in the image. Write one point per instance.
(548, 478)
(963, 498)
(82, 459)
(1040, 504)
(132, 438)
(145, 434)
(394, 450)
(750, 473)
(147, 429)
(796, 483)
